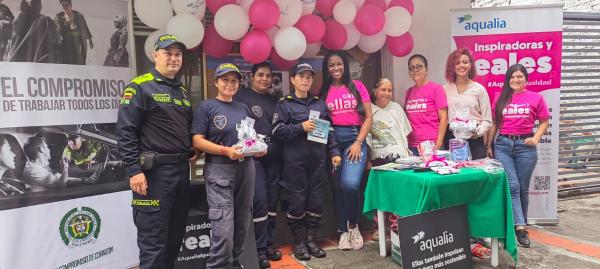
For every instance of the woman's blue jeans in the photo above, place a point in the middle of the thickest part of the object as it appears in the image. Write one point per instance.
(347, 178)
(518, 160)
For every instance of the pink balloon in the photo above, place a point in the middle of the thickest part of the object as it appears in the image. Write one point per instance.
(335, 35)
(408, 4)
(400, 46)
(312, 26)
(379, 3)
(369, 20)
(280, 63)
(215, 45)
(325, 7)
(264, 14)
(256, 46)
(214, 5)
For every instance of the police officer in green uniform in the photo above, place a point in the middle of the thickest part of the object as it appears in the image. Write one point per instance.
(154, 141)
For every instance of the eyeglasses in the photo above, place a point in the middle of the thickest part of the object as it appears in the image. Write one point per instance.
(415, 68)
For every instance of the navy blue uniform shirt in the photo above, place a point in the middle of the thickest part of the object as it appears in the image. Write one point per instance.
(261, 106)
(291, 112)
(216, 120)
(154, 115)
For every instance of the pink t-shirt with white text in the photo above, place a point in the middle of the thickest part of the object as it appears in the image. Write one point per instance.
(520, 114)
(342, 104)
(422, 105)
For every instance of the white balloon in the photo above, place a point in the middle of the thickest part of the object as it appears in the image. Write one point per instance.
(231, 22)
(149, 44)
(358, 3)
(289, 12)
(344, 11)
(246, 4)
(312, 49)
(187, 28)
(372, 43)
(353, 35)
(155, 15)
(397, 21)
(308, 6)
(290, 43)
(194, 7)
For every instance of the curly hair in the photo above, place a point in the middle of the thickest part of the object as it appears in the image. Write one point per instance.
(453, 58)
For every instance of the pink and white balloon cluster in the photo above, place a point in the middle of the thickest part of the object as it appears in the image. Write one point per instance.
(283, 30)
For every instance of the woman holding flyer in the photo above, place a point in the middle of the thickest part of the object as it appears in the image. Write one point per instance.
(467, 101)
(304, 160)
(349, 104)
(228, 174)
(426, 106)
(515, 111)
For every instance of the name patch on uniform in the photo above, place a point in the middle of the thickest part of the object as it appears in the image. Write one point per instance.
(220, 121)
(275, 117)
(257, 110)
(161, 97)
(140, 202)
(128, 93)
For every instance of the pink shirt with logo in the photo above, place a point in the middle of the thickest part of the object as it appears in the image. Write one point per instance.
(342, 104)
(520, 114)
(422, 105)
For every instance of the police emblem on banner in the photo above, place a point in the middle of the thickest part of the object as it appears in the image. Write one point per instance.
(275, 117)
(80, 226)
(220, 121)
(257, 111)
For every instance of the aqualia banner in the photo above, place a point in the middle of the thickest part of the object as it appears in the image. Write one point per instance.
(64, 199)
(531, 36)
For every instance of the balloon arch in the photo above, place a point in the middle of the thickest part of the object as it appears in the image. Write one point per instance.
(282, 30)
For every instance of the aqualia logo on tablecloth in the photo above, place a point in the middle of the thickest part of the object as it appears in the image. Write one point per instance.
(470, 24)
(80, 226)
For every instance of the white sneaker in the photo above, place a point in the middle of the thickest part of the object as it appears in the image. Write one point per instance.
(356, 239)
(344, 243)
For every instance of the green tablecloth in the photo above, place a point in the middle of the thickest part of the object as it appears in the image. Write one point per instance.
(487, 197)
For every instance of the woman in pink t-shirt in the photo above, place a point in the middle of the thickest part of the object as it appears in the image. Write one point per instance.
(349, 105)
(515, 111)
(425, 105)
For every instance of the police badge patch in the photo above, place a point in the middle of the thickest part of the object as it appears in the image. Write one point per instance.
(275, 117)
(220, 121)
(257, 111)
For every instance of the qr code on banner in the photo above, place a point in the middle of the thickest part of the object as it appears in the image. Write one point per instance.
(541, 183)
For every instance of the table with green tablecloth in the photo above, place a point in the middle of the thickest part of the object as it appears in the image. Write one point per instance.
(486, 195)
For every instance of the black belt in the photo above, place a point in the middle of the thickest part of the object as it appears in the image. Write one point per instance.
(346, 126)
(221, 159)
(517, 137)
(173, 158)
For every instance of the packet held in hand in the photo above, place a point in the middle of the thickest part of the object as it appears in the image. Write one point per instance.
(250, 142)
(321, 131)
(463, 128)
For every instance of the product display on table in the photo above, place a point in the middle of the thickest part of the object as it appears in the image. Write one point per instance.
(251, 142)
(427, 149)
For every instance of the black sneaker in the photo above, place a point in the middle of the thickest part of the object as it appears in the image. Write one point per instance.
(273, 254)
(523, 238)
(301, 252)
(263, 262)
(237, 265)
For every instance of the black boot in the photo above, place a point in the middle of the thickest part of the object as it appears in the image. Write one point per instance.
(263, 262)
(313, 247)
(300, 250)
(273, 254)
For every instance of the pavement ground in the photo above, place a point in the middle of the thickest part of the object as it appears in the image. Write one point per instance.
(572, 244)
